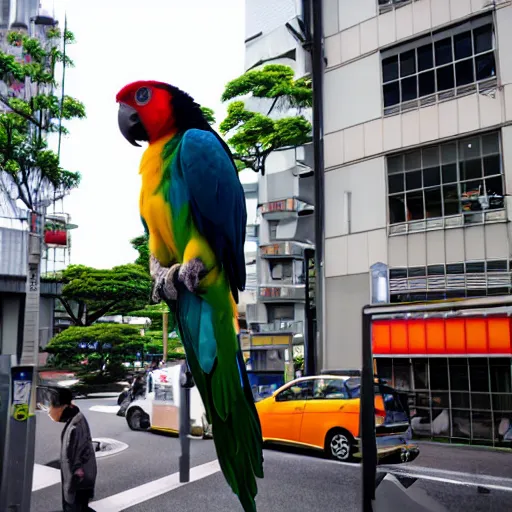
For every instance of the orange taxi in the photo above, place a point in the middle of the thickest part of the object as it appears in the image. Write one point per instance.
(322, 412)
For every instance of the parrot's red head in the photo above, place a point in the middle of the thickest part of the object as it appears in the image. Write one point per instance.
(150, 110)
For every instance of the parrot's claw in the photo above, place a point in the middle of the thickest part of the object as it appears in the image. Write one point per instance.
(192, 273)
(164, 279)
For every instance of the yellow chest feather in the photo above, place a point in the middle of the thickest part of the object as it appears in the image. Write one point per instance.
(153, 208)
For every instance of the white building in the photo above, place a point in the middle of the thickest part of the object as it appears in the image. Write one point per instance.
(418, 159)
(282, 194)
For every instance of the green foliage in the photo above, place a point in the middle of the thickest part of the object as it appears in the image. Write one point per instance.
(209, 115)
(98, 292)
(109, 344)
(140, 244)
(155, 313)
(254, 135)
(30, 171)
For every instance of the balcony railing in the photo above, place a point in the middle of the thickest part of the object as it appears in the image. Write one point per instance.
(296, 327)
(288, 293)
(280, 249)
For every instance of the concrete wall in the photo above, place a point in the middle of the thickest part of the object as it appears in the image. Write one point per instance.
(344, 298)
(9, 310)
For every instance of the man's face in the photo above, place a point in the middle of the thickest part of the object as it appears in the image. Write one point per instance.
(55, 412)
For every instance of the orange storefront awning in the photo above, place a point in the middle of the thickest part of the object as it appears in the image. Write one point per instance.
(443, 336)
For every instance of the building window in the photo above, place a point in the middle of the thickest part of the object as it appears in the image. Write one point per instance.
(388, 5)
(454, 280)
(272, 229)
(456, 398)
(447, 64)
(461, 177)
(281, 271)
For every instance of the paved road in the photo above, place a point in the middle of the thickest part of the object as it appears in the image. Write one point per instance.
(143, 478)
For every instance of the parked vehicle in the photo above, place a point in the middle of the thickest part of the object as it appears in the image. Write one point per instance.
(323, 412)
(158, 408)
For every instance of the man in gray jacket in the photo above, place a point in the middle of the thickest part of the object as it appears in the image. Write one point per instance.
(77, 457)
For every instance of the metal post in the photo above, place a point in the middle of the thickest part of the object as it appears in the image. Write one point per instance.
(165, 334)
(367, 418)
(186, 383)
(309, 331)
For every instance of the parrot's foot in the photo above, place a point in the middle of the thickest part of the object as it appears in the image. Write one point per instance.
(164, 281)
(192, 273)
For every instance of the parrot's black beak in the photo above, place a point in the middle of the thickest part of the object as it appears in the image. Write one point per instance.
(130, 125)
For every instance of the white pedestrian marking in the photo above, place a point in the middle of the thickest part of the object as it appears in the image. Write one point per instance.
(145, 492)
(109, 409)
(44, 476)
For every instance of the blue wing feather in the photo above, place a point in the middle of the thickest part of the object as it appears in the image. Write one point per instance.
(217, 200)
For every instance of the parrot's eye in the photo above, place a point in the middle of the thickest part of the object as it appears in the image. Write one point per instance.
(142, 96)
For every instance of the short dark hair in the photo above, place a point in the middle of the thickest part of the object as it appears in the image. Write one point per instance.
(60, 396)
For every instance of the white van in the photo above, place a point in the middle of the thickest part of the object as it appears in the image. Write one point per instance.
(159, 408)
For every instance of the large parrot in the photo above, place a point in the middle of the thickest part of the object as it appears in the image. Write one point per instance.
(192, 206)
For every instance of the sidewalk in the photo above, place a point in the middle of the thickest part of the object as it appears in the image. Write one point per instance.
(467, 459)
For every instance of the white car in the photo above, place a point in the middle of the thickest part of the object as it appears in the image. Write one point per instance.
(158, 409)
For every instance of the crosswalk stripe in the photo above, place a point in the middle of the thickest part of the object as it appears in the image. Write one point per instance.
(131, 497)
(110, 409)
(44, 476)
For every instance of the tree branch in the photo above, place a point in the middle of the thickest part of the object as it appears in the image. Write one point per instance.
(69, 311)
(21, 114)
(91, 318)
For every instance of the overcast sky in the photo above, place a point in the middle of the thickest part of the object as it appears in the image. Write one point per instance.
(197, 45)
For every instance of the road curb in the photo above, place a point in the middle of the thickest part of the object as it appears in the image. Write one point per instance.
(105, 446)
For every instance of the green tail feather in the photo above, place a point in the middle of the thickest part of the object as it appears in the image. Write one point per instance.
(229, 405)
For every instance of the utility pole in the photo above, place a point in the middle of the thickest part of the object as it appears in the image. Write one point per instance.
(165, 334)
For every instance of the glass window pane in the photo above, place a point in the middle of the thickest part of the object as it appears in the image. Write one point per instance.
(385, 368)
(445, 78)
(420, 372)
(459, 400)
(471, 169)
(494, 189)
(463, 45)
(430, 157)
(490, 144)
(464, 72)
(427, 83)
(475, 267)
(485, 66)
(471, 195)
(469, 148)
(439, 373)
(425, 57)
(395, 183)
(413, 180)
(415, 210)
(449, 173)
(396, 209)
(482, 37)
(390, 69)
(481, 425)
(409, 88)
(413, 160)
(496, 266)
(449, 153)
(451, 201)
(461, 426)
(479, 374)
(456, 268)
(481, 401)
(459, 376)
(433, 203)
(501, 375)
(431, 177)
(492, 165)
(407, 63)
(391, 94)
(443, 51)
(395, 164)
